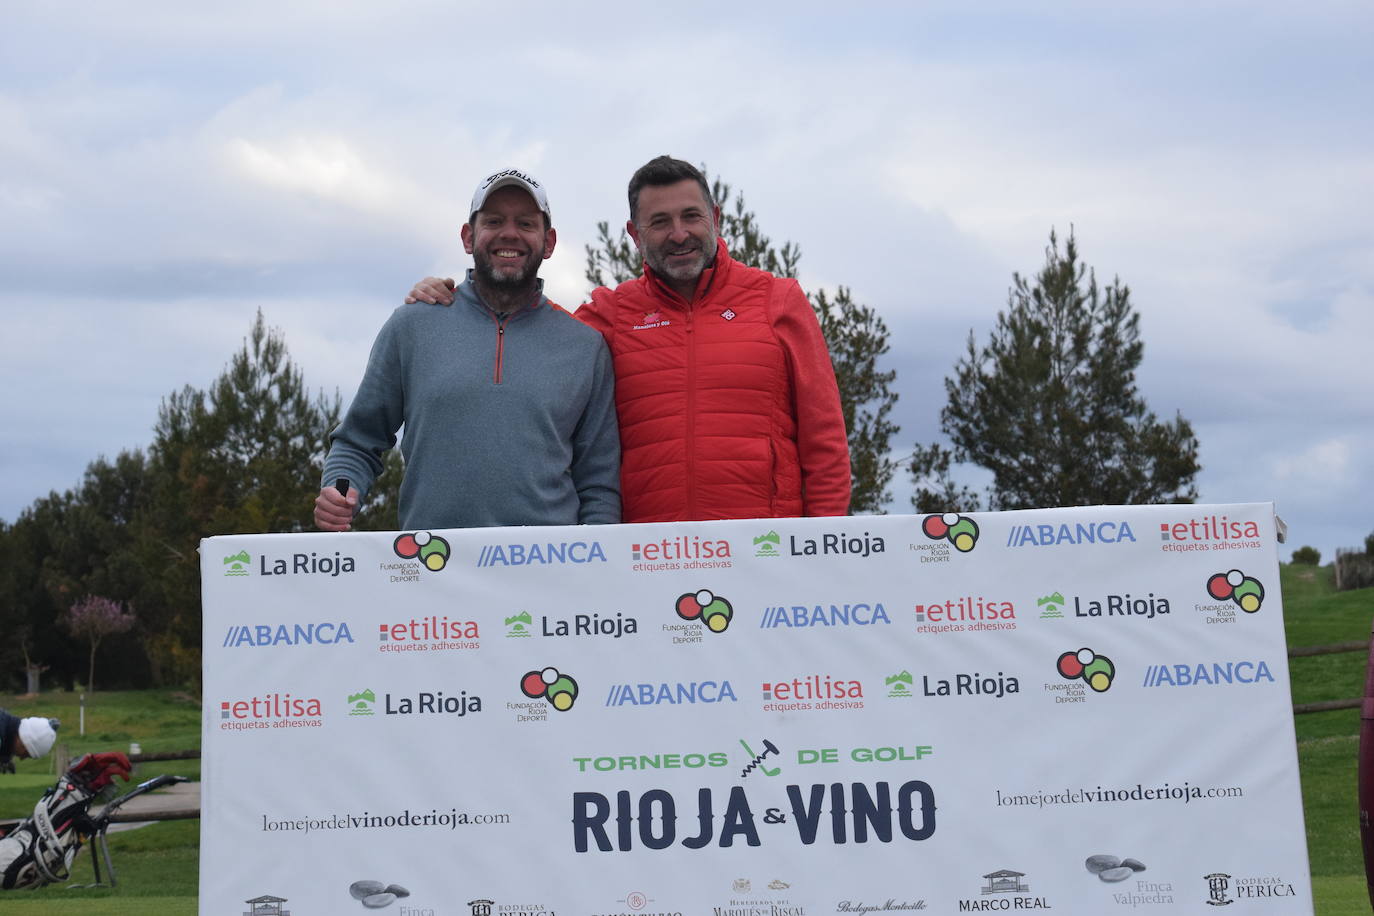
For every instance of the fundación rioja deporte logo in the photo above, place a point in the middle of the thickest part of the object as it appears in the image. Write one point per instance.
(959, 530)
(552, 685)
(430, 550)
(1244, 591)
(707, 607)
(1097, 671)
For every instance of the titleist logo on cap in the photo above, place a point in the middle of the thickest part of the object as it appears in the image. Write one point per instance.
(511, 173)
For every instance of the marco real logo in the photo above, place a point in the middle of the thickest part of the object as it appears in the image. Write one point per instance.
(959, 531)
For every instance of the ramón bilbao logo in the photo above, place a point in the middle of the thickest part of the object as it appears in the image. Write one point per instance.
(1245, 592)
(959, 530)
(430, 550)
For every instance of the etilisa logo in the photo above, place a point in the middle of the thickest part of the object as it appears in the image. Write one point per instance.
(682, 552)
(284, 634)
(960, 531)
(1208, 533)
(240, 564)
(430, 550)
(1075, 534)
(973, 613)
(1246, 592)
(811, 692)
(271, 710)
(435, 633)
(706, 607)
(825, 616)
(545, 553)
(560, 690)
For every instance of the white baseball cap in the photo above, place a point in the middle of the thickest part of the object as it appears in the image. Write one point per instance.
(38, 735)
(510, 178)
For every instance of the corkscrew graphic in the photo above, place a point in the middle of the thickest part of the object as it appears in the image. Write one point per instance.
(757, 762)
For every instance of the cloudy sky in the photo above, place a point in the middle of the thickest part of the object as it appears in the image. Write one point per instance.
(167, 169)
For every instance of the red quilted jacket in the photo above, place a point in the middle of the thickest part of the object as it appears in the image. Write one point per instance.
(728, 406)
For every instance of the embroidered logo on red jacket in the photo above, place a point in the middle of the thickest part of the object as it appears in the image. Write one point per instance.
(652, 319)
(728, 314)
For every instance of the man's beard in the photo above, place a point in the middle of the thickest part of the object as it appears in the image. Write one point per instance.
(504, 277)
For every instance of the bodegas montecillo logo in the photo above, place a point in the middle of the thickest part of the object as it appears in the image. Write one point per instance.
(430, 550)
(1246, 592)
(550, 684)
(959, 530)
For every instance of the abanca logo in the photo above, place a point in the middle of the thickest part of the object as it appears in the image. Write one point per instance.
(541, 554)
(960, 530)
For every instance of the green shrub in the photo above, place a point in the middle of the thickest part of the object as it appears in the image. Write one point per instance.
(1307, 556)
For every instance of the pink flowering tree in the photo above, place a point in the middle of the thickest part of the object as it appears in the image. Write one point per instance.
(92, 619)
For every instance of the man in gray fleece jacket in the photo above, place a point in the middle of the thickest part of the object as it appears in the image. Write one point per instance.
(507, 400)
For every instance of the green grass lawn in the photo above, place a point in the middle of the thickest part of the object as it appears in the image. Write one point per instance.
(157, 865)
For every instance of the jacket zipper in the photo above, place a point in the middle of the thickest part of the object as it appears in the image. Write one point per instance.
(500, 348)
(691, 416)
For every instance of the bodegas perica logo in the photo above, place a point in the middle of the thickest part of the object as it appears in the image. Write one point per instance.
(960, 530)
(431, 550)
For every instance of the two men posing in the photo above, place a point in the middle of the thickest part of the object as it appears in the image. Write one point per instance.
(723, 393)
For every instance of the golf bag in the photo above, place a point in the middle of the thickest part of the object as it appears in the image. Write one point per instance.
(40, 850)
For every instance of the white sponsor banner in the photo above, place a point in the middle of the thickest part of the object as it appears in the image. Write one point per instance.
(1078, 710)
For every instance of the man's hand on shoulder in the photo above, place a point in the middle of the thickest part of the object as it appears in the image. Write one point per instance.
(434, 290)
(334, 511)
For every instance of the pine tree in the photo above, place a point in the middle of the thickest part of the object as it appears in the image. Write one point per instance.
(1050, 406)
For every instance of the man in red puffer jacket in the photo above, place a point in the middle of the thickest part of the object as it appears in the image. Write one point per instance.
(726, 396)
